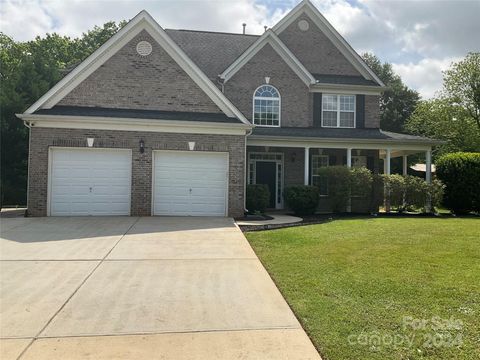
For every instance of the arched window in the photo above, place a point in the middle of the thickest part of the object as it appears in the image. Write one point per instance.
(266, 106)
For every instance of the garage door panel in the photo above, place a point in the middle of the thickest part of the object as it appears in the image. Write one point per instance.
(190, 183)
(90, 182)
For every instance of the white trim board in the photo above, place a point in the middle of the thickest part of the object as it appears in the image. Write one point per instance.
(322, 23)
(129, 124)
(143, 21)
(269, 37)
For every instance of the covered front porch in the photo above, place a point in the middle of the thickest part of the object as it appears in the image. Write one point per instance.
(280, 163)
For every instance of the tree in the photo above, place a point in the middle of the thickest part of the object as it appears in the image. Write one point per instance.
(462, 85)
(27, 71)
(398, 102)
(453, 116)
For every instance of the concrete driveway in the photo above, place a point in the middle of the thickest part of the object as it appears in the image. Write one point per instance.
(134, 288)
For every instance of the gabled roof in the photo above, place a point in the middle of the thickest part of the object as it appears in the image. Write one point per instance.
(308, 8)
(160, 115)
(212, 51)
(269, 37)
(143, 21)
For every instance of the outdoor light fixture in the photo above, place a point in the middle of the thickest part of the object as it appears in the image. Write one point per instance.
(142, 146)
(191, 145)
(90, 142)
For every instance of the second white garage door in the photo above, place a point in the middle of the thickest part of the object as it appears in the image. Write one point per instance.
(190, 183)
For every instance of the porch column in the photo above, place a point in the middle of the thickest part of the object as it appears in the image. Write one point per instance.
(405, 165)
(387, 172)
(349, 165)
(349, 157)
(428, 178)
(307, 166)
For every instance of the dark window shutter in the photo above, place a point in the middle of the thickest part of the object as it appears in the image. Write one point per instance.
(332, 160)
(317, 109)
(360, 115)
(370, 163)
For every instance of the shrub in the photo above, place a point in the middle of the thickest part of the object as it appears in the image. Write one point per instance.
(378, 193)
(258, 197)
(395, 190)
(361, 182)
(339, 182)
(460, 172)
(416, 192)
(302, 199)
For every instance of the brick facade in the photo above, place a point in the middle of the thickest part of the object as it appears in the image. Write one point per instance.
(314, 50)
(372, 111)
(296, 100)
(43, 138)
(153, 82)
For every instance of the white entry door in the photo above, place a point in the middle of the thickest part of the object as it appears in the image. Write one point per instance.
(190, 183)
(90, 181)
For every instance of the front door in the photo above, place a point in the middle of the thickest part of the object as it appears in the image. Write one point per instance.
(266, 173)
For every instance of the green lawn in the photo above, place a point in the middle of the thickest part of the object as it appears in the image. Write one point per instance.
(354, 283)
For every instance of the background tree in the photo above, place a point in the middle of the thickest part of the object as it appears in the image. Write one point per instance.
(27, 71)
(462, 85)
(455, 114)
(398, 102)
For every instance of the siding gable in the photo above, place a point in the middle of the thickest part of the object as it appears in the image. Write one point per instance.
(128, 80)
(315, 50)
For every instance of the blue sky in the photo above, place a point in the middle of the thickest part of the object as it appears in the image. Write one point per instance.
(419, 37)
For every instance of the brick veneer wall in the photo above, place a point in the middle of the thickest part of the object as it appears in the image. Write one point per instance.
(314, 50)
(153, 82)
(296, 101)
(372, 111)
(43, 138)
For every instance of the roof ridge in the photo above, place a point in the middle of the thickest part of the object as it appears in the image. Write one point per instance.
(212, 32)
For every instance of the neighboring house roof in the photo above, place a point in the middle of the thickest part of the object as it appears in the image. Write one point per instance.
(306, 7)
(143, 21)
(213, 52)
(337, 133)
(422, 167)
(343, 80)
(269, 37)
(137, 114)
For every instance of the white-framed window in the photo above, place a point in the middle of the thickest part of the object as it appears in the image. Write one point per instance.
(359, 161)
(319, 161)
(338, 111)
(266, 106)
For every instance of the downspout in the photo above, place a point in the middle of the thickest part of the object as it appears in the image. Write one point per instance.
(247, 134)
(29, 126)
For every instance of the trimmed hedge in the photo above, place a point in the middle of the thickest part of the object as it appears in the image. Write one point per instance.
(302, 199)
(258, 197)
(460, 172)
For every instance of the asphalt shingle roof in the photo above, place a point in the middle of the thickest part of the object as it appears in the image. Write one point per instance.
(337, 133)
(137, 114)
(213, 52)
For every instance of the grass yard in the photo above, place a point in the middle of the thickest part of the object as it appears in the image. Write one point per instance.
(372, 288)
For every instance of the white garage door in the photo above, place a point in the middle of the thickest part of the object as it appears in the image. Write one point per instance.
(190, 183)
(90, 182)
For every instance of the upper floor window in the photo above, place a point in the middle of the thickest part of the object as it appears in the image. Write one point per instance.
(338, 111)
(266, 106)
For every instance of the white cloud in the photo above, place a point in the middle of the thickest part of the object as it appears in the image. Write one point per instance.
(426, 75)
(418, 36)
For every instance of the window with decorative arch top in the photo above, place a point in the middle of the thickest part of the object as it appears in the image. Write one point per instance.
(266, 106)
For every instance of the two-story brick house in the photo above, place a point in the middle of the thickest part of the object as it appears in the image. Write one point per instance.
(177, 122)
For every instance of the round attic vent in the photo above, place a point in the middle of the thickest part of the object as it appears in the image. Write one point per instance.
(303, 25)
(144, 48)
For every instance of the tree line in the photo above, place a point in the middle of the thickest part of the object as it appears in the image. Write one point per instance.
(28, 69)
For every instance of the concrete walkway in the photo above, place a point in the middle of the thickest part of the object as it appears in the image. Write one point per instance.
(134, 288)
